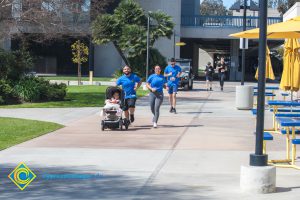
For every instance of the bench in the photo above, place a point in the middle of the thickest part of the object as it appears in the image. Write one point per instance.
(254, 111)
(283, 131)
(267, 137)
(285, 110)
(266, 93)
(296, 115)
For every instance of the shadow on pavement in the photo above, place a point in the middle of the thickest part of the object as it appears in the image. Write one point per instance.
(107, 186)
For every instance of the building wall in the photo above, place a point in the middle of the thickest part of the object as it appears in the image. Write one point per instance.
(106, 60)
(172, 8)
(271, 13)
(292, 12)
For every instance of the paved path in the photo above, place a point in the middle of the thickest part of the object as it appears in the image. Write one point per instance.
(195, 154)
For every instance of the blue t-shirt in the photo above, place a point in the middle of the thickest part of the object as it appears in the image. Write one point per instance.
(128, 84)
(157, 82)
(175, 71)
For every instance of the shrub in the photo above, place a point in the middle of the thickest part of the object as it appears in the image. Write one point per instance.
(33, 89)
(28, 89)
(7, 94)
(13, 65)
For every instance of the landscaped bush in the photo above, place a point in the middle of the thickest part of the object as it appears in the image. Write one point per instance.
(33, 89)
(13, 65)
(7, 94)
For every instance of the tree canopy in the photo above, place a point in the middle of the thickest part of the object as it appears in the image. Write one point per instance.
(126, 28)
(284, 5)
(48, 18)
(212, 7)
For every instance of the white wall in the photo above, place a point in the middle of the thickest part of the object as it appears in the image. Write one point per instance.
(292, 12)
(271, 13)
(204, 58)
(172, 8)
(106, 60)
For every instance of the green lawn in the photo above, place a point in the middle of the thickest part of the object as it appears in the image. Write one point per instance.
(74, 78)
(15, 131)
(77, 96)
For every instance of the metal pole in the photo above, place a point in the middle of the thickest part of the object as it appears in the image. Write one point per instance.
(260, 159)
(174, 50)
(148, 37)
(244, 44)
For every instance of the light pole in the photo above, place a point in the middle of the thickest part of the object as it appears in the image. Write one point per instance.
(260, 159)
(148, 38)
(244, 43)
(174, 50)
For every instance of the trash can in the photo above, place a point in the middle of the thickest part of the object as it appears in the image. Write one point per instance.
(244, 97)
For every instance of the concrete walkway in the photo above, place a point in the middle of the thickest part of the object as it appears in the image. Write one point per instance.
(195, 154)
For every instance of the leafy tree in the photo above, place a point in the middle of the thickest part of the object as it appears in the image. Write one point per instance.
(212, 7)
(80, 54)
(284, 5)
(126, 28)
(139, 63)
(52, 19)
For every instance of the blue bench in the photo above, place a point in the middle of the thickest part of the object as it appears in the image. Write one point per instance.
(283, 131)
(270, 94)
(268, 88)
(284, 94)
(295, 141)
(267, 137)
(296, 115)
(286, 110)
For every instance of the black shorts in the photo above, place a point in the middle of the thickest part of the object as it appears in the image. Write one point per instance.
(129, 103)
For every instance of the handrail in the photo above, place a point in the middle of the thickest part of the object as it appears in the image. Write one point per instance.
(223, 21)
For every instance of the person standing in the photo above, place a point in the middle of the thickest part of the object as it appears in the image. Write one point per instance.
(155, 83)
(209, 72)
(222, 68)
(172, 73)
(130, 82)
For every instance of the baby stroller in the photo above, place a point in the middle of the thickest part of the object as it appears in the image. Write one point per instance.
(112, 117)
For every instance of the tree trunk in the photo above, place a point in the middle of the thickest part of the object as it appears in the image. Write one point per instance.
(121, 53)
(79, 63)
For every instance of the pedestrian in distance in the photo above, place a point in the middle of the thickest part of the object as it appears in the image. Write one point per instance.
(209, 72)
(130, 82)
(172, 73)
(222, 68)
(155, 83)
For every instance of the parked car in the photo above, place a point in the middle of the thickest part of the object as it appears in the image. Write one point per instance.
(187, 77)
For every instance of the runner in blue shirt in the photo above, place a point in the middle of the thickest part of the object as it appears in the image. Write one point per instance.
(155, 83)
(130, 82)
(172, 73)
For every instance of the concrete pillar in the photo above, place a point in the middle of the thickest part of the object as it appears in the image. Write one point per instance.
(195, 59)
(234, 54)
(258, 179)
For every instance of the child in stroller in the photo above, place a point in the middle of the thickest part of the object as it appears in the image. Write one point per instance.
(112, 112)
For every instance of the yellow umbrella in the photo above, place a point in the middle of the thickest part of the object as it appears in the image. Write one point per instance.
(287, 29)
(269, 69)
(290, 79)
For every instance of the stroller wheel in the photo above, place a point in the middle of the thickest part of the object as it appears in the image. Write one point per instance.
(121, 124)
(102, 125)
